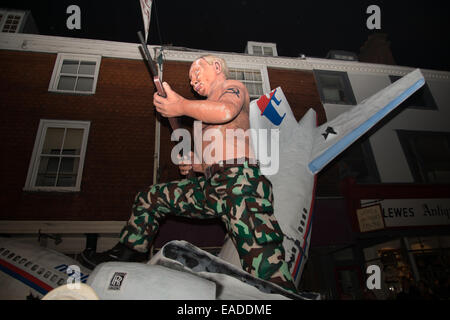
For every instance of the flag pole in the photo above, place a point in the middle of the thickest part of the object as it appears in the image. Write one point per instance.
(146, 8)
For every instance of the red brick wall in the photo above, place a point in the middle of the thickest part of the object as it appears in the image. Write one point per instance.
(119, 156)
(300, 90)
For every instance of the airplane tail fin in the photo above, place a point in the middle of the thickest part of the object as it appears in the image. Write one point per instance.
(292, 182)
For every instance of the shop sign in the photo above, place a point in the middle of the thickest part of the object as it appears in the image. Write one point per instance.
(413, 212)
(370, 218)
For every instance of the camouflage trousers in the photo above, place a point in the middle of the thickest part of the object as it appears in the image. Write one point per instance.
(240, 196)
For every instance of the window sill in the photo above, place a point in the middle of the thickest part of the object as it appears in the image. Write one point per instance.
(341, 103)
(51, 189)
(75, 93)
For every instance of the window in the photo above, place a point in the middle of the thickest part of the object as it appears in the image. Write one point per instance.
(75, 74)
(358, 162)
(334, 87)
(10, 21)
(421, 99)
(428, 155)
(58, 156)
(342, 55)
(254, 78)
(262, 49)
(251, 78)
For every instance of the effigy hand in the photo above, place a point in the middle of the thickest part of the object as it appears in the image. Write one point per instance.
(171, 105)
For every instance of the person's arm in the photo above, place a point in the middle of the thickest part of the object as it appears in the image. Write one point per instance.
(225, 109)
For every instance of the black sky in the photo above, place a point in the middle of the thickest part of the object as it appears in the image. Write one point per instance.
(418, 31)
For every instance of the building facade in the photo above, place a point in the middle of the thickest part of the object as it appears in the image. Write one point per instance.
(393, 189)
(81, 138)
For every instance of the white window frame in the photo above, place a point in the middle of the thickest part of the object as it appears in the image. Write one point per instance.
(5, 14)
(415, 161)
(347, 87)
(53, 86)
(37, 150)
(273, 46)
(254, 67)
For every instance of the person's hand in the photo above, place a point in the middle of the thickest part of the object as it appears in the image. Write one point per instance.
(185, 164)
(172, 105)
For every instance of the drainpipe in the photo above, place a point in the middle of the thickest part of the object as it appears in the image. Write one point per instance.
(157, 148)
(157, 132)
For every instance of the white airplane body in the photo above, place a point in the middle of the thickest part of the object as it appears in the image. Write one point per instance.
(30, 271)
(305, 149)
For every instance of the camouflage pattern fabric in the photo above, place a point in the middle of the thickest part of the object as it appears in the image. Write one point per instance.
(240, 196)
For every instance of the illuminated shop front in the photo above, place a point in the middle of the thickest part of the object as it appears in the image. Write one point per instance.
(405, 230)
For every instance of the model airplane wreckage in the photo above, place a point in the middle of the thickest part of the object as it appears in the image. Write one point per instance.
(184, 272)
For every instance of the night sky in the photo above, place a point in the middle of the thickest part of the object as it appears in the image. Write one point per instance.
(418, 31)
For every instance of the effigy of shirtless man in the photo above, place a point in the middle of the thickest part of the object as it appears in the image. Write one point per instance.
(231, 186)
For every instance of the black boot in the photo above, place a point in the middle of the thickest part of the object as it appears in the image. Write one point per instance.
(90, 259)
